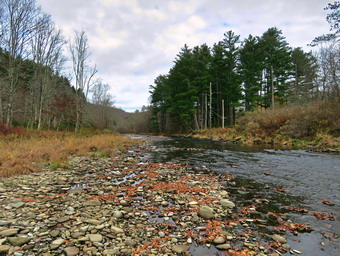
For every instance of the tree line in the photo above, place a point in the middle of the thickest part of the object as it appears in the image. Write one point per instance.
(207, 86)
(33, 88)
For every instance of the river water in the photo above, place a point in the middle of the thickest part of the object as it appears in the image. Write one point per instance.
(304, 179)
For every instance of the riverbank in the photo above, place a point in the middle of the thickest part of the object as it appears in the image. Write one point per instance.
(321, 142)
(131, 205)
(313, 126)
(26, 151)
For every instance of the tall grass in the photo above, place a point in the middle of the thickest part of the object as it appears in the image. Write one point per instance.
(23, 153)
(296, 121)
(315, 123)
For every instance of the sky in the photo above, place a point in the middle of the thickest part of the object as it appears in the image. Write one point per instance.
(134, 41)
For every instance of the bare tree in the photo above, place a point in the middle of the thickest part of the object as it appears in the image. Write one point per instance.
(83, 74)
(102, 98)
(17, 25)
(101, 95)
(328, 57)
(46, 47)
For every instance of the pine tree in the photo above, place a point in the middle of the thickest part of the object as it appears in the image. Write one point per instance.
(251, 65)
(277, 66)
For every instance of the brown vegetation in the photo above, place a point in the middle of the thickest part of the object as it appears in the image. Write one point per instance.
(317, 123)
(23, 152)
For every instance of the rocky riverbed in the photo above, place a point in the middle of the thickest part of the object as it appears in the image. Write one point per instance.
(127, 205)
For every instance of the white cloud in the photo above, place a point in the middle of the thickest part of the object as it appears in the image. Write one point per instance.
(133, 41)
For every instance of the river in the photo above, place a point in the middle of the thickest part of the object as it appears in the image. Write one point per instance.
(286, 177)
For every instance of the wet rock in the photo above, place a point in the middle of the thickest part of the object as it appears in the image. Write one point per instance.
(206, 212)
(219, 240)
(223, 246)
(227, 204)
(71, 251)
(18, 241)
(286, 246)
(180, 248)
(279, 238)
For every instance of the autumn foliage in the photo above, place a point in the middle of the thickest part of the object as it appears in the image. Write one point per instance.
(25, 152)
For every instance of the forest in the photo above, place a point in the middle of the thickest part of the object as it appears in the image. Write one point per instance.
(210, 87)
(36, 90)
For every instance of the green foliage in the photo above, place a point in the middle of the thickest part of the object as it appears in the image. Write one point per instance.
(100, 154)
(245, 75)
(333, 19)
(58, 165)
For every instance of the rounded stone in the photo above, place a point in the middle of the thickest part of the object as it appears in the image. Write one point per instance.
(95, 237)
(223, 246)
(71, 251)
(206, 212)
(219, 240)
(18, 241)
(279, 238)
(180, 248)
(4, 248)
(227, 204)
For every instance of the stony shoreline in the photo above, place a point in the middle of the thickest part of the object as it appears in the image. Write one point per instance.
(126, 205)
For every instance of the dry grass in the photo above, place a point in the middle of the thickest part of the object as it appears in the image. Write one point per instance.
(317, 123)
(25, 154)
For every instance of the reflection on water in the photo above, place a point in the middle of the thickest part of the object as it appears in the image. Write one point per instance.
(308, 179)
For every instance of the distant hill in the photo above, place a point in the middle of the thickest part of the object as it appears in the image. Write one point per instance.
(103, 117)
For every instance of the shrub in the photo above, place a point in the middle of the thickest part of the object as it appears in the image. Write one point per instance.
(297, 122)
(6, 130)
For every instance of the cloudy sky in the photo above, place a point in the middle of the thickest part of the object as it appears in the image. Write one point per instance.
(133, 41)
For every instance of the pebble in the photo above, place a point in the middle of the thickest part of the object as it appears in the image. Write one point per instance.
(117, 230)
(223, 246)
(92, 203)
(227, 204)
(71, 251)
(206, 212)
(4, 248)
(56, 243)
(180, 248)
(9, 232)
(219, 240)
(95, 237)
(82, 211)
(279, 238)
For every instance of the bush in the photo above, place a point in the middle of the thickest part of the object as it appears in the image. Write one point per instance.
(297, 122)
(6, 130)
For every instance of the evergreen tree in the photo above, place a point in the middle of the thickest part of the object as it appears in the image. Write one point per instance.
(251, 65)
(303, 87)
(277, 66)
(231, 90)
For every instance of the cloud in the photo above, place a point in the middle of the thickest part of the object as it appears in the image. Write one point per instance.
(133, 41)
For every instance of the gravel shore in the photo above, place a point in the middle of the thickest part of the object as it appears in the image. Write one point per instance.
(128, 206)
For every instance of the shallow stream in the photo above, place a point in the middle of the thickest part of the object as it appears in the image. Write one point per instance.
(286, 177)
